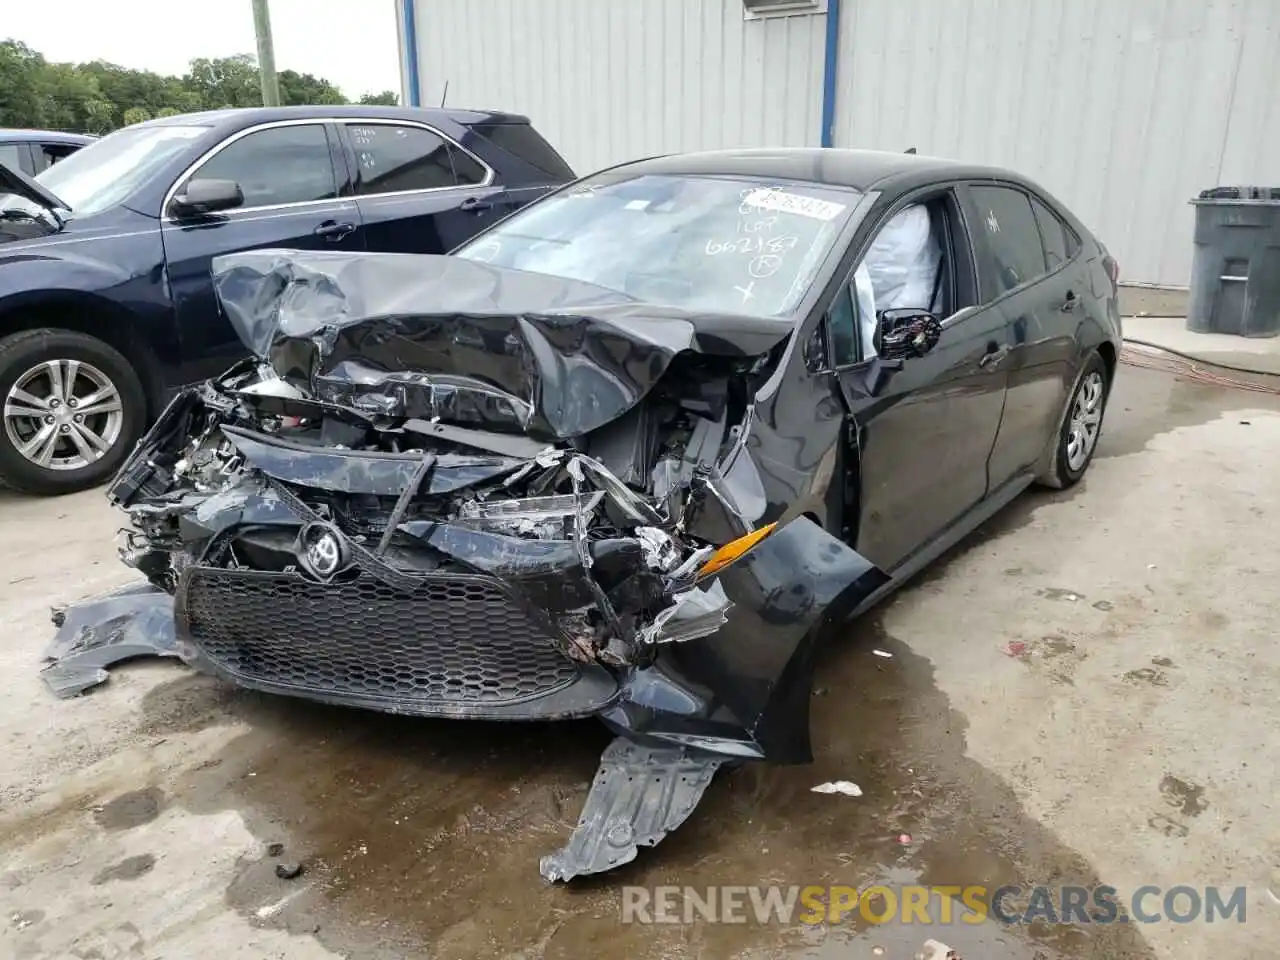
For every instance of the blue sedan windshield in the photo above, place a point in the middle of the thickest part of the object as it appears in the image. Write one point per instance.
(700, 243)
(108, 170)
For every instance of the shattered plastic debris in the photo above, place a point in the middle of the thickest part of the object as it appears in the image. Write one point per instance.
(696, 613)
(846, 787)
(1015, 649)
(134, 621)
(904, 838)
(936, 950)
(640, 794)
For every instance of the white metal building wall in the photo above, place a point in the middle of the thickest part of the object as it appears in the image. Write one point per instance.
(1122, 108)
(613, 80)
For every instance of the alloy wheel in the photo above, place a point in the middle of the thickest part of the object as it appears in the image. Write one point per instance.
(63, 414)
(1085, 421)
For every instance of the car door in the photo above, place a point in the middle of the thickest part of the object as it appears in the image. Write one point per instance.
(1038, 300)
(418, 190)
(292, 198)
(922, 433)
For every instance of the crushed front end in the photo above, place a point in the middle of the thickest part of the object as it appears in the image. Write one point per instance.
(489, 512)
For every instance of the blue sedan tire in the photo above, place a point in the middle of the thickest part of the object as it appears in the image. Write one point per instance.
(73, 409)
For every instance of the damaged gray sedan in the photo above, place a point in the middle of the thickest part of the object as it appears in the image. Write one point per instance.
(628, 454)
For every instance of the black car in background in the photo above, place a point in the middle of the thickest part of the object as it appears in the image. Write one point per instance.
(34, 151)
(106, 302)
(631, 453)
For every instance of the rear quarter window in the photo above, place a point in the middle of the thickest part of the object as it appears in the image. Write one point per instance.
(1060, 242)
(521, 140)
(1012, 237)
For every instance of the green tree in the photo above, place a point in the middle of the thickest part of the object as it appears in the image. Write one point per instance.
(225, 81)
(98, 97)
(301, 89)
(22, 86)
(387, 98)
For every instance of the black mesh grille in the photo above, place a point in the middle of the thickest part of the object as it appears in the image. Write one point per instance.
(456, 639)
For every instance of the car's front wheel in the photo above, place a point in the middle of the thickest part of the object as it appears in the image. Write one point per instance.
(73, 409)
(1077, 438)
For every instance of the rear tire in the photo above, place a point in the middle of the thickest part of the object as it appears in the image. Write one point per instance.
(1080, 427)
(73, 408)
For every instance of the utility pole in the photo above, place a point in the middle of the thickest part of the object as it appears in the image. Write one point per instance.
(266, 54)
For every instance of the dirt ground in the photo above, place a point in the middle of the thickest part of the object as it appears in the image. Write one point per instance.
(1127, 737)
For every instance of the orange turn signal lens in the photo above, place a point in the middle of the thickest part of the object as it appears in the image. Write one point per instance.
(732, 550)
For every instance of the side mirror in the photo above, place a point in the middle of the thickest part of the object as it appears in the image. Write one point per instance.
(906, 332)
(207, 196)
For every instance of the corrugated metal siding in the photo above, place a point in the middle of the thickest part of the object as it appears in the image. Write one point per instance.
(1124, 110)
(612, 80)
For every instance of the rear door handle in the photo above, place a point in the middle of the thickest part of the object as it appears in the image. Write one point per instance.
(333, 231)
(475, 204)
(991, 359)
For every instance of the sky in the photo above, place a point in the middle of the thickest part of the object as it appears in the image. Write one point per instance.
(350, 43)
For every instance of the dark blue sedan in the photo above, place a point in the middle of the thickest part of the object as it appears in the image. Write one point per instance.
(106, 302)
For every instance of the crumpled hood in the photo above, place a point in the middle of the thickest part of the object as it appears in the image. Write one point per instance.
(440, 337)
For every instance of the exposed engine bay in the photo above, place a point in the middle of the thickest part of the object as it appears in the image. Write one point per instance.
(420, 496)
(442, 488)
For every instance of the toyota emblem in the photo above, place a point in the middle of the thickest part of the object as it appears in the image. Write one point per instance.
(322, 551)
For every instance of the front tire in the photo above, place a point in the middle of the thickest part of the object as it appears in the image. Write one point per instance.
(73, 409)
(1081, 426)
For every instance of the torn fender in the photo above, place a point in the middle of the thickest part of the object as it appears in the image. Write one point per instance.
(134, 621)
(744, 689)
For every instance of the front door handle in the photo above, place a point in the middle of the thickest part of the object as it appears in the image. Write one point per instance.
(333, 231)
(475, 204)
(991, 359)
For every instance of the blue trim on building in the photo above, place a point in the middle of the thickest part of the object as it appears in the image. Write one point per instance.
(830, 58)
(411, 52)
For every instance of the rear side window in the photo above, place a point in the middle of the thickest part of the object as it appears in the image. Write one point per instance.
(1013, 238)
(394, 158)
(1060, 243)
(521, 140)
(12, 155)
(51, 153)
(289, 164)
(467, 168)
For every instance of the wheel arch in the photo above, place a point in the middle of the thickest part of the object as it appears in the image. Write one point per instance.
(1107, 350)
(94, 316)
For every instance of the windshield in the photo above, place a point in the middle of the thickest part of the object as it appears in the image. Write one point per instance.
(108, 170)
(700, 243)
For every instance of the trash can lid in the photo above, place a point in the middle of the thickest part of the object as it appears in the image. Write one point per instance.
(1240, 193)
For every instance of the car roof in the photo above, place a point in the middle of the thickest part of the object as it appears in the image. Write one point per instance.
(50, 136)
(239, 117)
(859, 169)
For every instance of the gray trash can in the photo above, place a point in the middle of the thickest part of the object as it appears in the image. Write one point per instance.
(1235, 275)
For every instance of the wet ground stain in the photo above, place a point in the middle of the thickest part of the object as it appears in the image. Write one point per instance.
(426, 834)
(1148, 403)
(423, 836)
(129, 810)
(130, 868)
(1186, 798)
